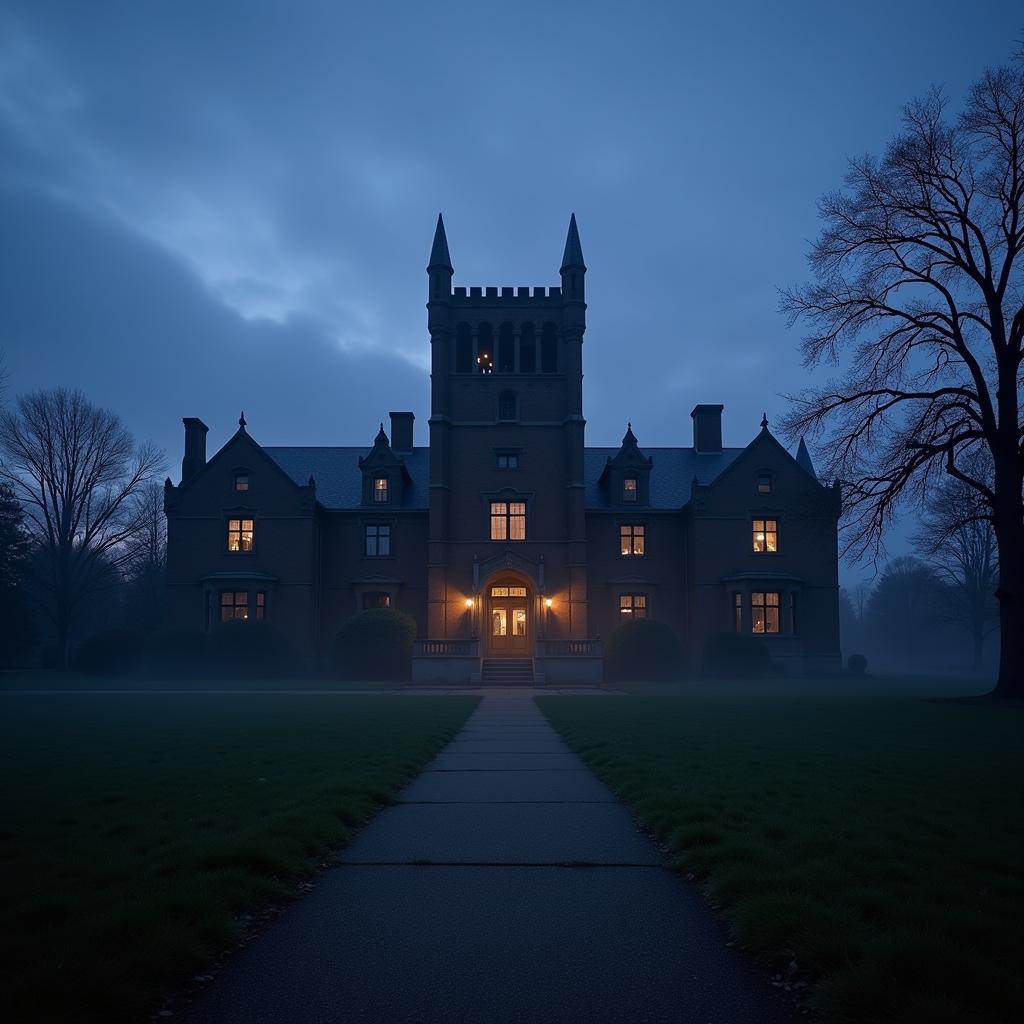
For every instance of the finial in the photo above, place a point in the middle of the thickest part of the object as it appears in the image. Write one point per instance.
(312, 482)
(241, 420)
(629, 424)
(764, 421)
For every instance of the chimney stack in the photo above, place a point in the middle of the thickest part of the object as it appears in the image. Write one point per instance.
(707, 428)
(401, 431)
(195, 447)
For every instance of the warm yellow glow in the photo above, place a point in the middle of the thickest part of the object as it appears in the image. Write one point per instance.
(469, 602)
(548, 602)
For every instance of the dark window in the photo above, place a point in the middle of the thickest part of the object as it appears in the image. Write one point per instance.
(240, 535)
(766, 535)
(629, 489)
(484, 348)
(508, 520)
(527, 349)
(380, 490)
(737, 612)
(261, 605)
(506, 349)
(376, 599)
(508, 460)
(764, 612)
(633, 606)
(234, 604)
(549, 349)
(631, 540)
(241, 481)
(463, 349)
(764, 483)
(378, 541)
(507, 405)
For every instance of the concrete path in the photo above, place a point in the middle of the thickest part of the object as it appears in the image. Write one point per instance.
(508, 886)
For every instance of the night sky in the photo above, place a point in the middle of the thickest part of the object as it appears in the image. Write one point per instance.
(207, 207)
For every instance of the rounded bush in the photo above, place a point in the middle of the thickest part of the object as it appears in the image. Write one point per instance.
(857, 664)
(177, 650)
(736, 654)
(375, 644)
(249, 648)
(643, 650)
(111, 652)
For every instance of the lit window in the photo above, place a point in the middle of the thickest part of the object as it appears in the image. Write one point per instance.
(261, 605)
(507, 405)
(509, 460)
(764, 483)
(241, 481)
(631, 540)
(380, 489)
(508, 591)
(766, 535)
(378, 541)
(764, 612)
(633, 605)
(508, 520)
(629, 489)
(376, 599)
(240, 534)
(737, 605)
(234, 604)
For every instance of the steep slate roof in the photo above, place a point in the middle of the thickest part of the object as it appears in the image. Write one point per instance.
(339, 482)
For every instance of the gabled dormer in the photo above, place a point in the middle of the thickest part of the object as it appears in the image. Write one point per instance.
(627, 475)
(384, 474)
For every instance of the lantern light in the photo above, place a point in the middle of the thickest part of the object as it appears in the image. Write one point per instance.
(548, 602)
(469, 602)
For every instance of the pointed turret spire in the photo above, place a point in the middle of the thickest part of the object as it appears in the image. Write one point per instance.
(629, 438)
(241, 420)
(764, 421)
(439, 258)
(573, 255)
(381, 437)
(803, 458)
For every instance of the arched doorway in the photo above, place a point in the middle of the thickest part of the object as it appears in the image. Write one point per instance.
(509, 622)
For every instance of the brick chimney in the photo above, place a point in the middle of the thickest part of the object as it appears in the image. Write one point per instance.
(707, 428)
(401, 431)
(195, 447)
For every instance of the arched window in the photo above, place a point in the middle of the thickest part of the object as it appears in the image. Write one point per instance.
(463, 349)
(527, 349)
(549, 349)
(506, 349)
(484, 348)
(507, 405)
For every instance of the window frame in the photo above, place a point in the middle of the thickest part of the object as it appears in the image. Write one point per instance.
(511, 461)
(234, 604)
(766, 607)
(381, 532)
(241, 532)
(764, 521)
(630, 494)
(381, 495)
(638, 607)
(242, 481)
(508, 400)
(507, 517)
(629, 530)
(764, 482)
(372, 599)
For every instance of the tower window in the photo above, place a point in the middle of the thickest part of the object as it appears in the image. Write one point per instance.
(507, 405)
(766, 535)
(629, 489)
(549, 349)
(484, 348)
(633, 606)
(527, 349)
(240, 535)
(764, 483)
(380, 490)
(631, 541)
(463, 349)
(764, 612)
(508, 520)
(377, 540)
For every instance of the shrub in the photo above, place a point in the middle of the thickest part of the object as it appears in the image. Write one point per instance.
(375, 644)
(643, 650)
(177, 650)
(111, 652)
(249, 648)
(857, 664)
(736, 654)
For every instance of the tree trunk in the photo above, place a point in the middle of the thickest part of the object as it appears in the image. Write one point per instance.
(1010, 536)
(978, 639)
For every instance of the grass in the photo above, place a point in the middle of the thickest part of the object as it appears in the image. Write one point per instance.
(42, 679)
(139, 830)
(876, 841)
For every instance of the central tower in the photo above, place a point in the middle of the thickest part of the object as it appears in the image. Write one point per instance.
(506, 430)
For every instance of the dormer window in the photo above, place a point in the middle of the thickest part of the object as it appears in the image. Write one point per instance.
(629, 489)
(380, 490)
(764, 483)
(507, 405)
(241, 481)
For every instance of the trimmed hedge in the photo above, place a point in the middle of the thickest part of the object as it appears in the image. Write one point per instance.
(643, 650)
(375, 645)
(249, 648)
(112, 652)
(736, 654)
(177, 650)
(857, 664)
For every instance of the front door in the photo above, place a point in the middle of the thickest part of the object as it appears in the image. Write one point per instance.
(509, 621)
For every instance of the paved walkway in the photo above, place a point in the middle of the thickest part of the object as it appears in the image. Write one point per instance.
(508, 886)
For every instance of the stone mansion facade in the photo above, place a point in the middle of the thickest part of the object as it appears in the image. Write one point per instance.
(514, 546)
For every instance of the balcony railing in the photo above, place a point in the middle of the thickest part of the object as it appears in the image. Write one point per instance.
(446, 648)
(568, 648)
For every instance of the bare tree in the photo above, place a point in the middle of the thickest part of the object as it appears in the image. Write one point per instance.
(918, 293)
(957, 540)
(79, 475)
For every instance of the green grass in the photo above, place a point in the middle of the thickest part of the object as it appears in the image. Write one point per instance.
(138, 830)
(42, 679)
(876, 841)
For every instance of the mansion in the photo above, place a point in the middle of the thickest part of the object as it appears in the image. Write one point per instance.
(514, 546)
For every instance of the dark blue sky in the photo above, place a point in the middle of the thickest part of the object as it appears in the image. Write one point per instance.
(211, 206)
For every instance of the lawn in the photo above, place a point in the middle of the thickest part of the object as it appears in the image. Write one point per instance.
(139, 831)
(876, 842)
